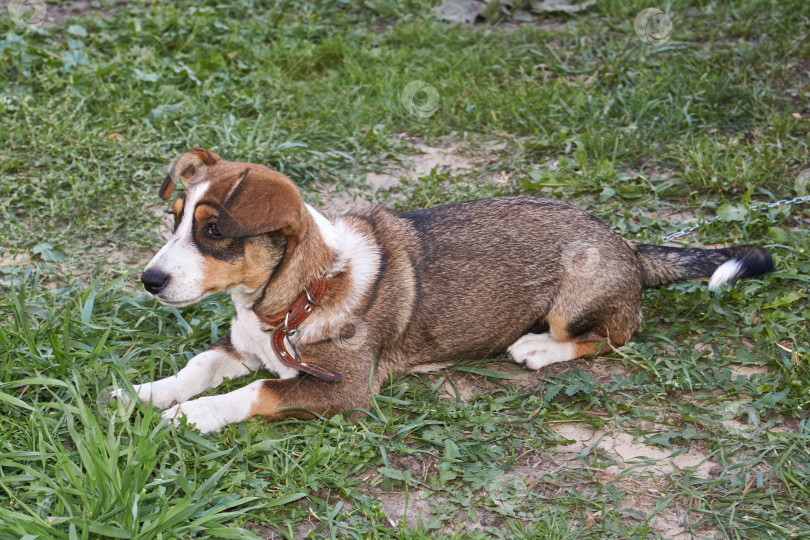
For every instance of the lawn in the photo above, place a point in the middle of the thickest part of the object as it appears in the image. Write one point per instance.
(698, 428)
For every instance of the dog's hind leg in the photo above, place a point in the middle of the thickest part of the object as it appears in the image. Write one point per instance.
(571, 337)
(535, 351)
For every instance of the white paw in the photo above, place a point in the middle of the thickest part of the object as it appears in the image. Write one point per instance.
(119, 394)
(535, 351)
(149, 392)
(215, 412)
(201, 413)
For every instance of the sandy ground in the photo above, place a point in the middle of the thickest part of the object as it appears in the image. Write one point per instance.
(382, 187)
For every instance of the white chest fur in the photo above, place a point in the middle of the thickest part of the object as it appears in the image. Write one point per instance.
(251, 341)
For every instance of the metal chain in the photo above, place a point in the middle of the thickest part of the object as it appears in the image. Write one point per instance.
(756, 207)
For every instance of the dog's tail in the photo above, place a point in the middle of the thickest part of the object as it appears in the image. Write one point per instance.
(662, 264)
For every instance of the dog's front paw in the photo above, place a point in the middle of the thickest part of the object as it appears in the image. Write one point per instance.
(119, 394)
(125, 396)
(535, 351)
(153, 393)
(201, 413)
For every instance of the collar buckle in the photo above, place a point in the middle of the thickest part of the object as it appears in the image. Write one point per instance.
(286, 324)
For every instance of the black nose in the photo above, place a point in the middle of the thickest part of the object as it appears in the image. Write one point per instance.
(154, 281)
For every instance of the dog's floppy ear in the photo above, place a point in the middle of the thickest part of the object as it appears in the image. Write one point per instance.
(260, 203)
(187, 166)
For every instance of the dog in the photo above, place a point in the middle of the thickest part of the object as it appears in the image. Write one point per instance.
(338, 306)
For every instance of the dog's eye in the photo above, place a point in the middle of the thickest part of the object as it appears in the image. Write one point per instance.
(213, 231)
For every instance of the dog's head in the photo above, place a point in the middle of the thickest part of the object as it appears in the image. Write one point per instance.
(233, 225)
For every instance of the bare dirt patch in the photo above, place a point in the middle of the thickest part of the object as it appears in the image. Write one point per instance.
(420, 466)
(640, 467)
(748, 371)
(673, 521)
(466, 386)
(629, 453)
(551, 472)
(636, 463)
(413, 510)
(16, 259)
(641, 471)
(385, 186)
(57, 14)
(507, 15)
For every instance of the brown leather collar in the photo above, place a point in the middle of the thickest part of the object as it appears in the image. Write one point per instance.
(287, 321)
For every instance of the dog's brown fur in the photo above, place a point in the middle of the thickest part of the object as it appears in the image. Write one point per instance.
(461, 281)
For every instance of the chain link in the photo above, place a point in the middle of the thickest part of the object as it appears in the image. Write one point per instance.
(756, 207)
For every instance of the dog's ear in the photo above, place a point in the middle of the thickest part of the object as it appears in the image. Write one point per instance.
(262, 203)
(187, 166)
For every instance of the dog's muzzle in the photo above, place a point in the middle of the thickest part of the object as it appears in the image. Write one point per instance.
(154, 281)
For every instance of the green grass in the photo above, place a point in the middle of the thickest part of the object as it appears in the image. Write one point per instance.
(92, 110)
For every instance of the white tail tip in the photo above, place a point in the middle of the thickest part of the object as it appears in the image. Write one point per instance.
(728, 271)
